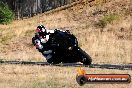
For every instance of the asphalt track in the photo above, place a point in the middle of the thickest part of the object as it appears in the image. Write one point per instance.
(102, 66)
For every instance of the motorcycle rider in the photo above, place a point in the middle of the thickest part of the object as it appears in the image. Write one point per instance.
(40, 40)
(42, 36)
(59, 46)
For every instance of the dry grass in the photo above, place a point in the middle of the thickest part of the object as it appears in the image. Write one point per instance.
(111, 44)
(19, 76)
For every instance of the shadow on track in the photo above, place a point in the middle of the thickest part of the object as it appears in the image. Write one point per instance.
(103, 66)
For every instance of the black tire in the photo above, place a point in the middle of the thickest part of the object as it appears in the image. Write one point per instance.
(56, 62)
(85, 58)
(53, 61)
(86, 61)
(81, 80)
(50, 60)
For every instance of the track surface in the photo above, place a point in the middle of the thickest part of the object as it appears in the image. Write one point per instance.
(103, 66)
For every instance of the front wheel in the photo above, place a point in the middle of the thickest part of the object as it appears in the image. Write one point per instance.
(53, 61)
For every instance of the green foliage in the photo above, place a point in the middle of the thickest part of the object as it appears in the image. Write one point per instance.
(106, 20)
(110, 18)
(6, 15)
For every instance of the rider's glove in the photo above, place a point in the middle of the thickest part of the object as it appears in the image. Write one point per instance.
(39, 47)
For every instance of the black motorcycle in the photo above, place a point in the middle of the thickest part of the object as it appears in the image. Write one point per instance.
(65, 49)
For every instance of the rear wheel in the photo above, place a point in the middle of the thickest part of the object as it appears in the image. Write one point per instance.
(86, 61)
(85, 58)
(56, 62)
(53, 61)
(50, 60)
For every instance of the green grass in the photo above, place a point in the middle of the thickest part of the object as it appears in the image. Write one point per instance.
(110, 18)
(107, 19)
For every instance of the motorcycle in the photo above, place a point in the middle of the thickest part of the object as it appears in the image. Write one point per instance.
(65, 49)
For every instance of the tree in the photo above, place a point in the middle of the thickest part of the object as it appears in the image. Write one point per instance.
(6, 14)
